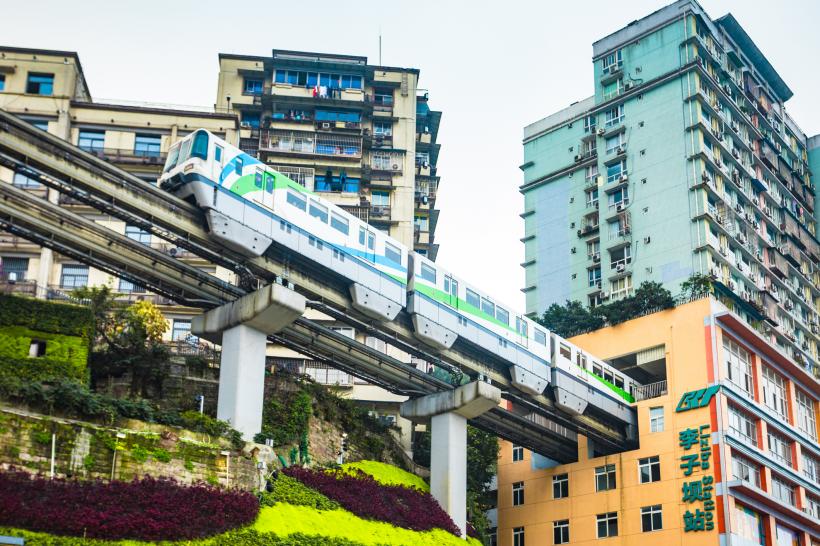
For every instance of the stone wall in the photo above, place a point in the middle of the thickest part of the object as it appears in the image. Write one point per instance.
(86, 450)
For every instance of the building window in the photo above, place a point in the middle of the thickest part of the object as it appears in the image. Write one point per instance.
(618, 197)
(147, 145)
(74, 276)
(41, 124)
(589, 124)
(748, 524)
(137, 234)
(620, 287)
(592, 198)
(593, 249)
(23, 181)
(13, 269)
(40, 84)
(779, 448)
(782, 491)
(613, 89)
(251, 119)
(614, 143)
(738, 365)
(806, 420)
(811, 467)
(741, 425)
(518, 493)
(649, 469)
(591, 173)
(593, 276)
(614, 116)
(607, 525)
(615, 171)
(517, 453)
(613, 62)
(745, 470)
(813, 507)
(91, 141)
(2, 82)
(651, 518)
(380, 198)
(656, 419)
(253, 86)
(560, 486)
(181, 329)
(383, 96)
(127, 287)
(320, 79)
(560, 532)
(518, 536)
(605, 477)
(774, 391)
(383, 128)
(336, 184)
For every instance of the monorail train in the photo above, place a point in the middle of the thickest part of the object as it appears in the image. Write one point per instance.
(249, 206)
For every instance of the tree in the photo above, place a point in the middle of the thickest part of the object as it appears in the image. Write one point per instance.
(570, 319)
(697, 286)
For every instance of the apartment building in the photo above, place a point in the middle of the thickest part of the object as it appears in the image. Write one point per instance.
(363, 136)
(685, 160)
(728, 445)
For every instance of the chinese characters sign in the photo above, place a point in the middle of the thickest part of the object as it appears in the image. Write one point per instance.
(697, 494)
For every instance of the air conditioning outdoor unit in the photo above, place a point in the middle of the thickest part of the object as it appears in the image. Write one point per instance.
(596, 257)
(620, 268)
(623, 178)
(578, 158)
(628, 85)
(325, 125)
(604, 296)
(244, 125)
(619, 207)
(601, 131)
(174, 251)
(620, 149)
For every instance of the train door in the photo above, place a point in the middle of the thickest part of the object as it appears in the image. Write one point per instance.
(216, 164)
(270, 184)
(521, 328)
(451, 290)
(367, 241)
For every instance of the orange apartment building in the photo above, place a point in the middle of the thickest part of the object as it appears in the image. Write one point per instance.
(728, 446)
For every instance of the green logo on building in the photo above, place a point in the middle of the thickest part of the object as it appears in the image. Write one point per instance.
(697, 399)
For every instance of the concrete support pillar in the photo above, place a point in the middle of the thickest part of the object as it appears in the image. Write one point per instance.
(242, 328)
(448, 465)
(448, 413)
(242, 379)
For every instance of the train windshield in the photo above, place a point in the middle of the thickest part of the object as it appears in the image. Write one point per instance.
(173, 155)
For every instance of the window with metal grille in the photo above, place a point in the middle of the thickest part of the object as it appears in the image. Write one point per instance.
(74, 276)
(13, 268)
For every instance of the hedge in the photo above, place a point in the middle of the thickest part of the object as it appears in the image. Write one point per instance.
(291, 491)
(386, 474)
(146, 509)
(46, 316)
(366, 498)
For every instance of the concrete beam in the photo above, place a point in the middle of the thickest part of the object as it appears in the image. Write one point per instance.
(469, 401)
(242, 328)
(448, 412)
(268, 310)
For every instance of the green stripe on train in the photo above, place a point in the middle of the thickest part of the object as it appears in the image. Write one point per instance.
(618, 390)
(443, 297)
(247, 184)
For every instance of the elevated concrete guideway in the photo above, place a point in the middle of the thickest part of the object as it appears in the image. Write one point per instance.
(448, 413)
(242, 328)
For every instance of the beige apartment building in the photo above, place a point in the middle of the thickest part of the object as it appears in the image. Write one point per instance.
(361, 135)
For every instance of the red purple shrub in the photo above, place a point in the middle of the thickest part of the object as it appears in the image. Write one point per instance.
(146, 509)
(365, 497)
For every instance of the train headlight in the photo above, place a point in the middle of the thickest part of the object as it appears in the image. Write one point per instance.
(188, 167)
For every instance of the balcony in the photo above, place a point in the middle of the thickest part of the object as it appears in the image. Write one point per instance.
(652, 390)
(588, 229)
(129, 156)
(777, 263)
(385, 162)
(360, 212)
(308, 143)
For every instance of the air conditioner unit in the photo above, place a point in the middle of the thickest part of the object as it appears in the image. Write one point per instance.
(623, 178)
(788, 305)
(647, 240)
(578, 158)
(760, 256)
(620, 268)
(596, 257)
(705, 178)
(805, 345)
(244, 125)
(735, 153)
(601, 131)
(620, 149)
(731, 285)
(174, 251)
(325, 125)
(619, 207)
(598, 285)
(628, 85)
(395, 166)
(572, 250)
(604, 296)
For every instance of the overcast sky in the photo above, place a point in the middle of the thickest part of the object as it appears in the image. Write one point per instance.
(490, 67)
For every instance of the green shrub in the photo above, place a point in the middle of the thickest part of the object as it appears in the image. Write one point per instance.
(88, 462)
(161, 455)
(139, 454)
(46, 316)
(41, 437)
(291, 491)
(386, 474)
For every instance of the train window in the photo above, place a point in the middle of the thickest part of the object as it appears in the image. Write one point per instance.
(172, 158)
(447, 284)
(339, 223)
(218, 154)
(371, 240)
(540, 337)
(597, 370)
(362, 233)
(521, 326)
(318, 211)
(565, 351)
(608, 375)
(581, 361)
(297, 200)
(392, 253)
(618, 381)
(257, 180)
(502, 315)
(239, 165)
(185, 149)
(473, 299)
(200, 147)
(488, 307)
(269, 182)
(428, 273)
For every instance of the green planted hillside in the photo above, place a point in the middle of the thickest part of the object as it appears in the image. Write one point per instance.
(304, 508)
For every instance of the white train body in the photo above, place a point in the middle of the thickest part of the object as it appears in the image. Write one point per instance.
(250, 206)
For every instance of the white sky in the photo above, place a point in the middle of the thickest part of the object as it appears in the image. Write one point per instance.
(491, 67)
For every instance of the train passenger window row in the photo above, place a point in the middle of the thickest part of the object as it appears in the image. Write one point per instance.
(540, 337)
(392, 253)
(428, 273)
(371, 239)
(318, 211)
(297, 200)
(608, 375)
(339, 223)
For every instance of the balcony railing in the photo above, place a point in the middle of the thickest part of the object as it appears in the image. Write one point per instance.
(130, 156)
(652, 390)
(307, 143)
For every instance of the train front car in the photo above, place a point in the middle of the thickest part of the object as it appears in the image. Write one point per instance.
(444, 308)
(249, 206)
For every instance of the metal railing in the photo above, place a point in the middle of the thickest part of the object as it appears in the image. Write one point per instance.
(303, 142)
(128, 155)
(652, 390)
